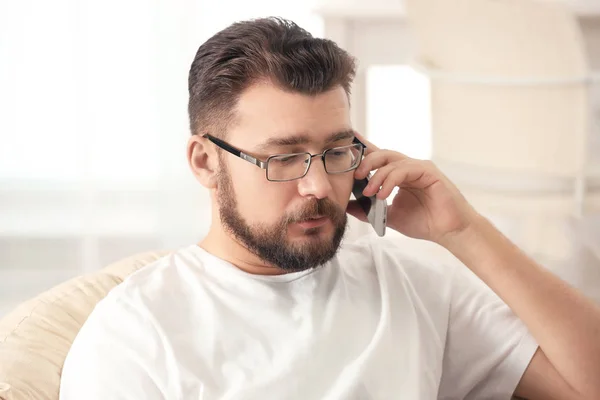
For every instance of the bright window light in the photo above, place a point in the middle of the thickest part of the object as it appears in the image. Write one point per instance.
(398, 110)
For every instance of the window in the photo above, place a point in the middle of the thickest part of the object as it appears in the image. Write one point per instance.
(398, 112)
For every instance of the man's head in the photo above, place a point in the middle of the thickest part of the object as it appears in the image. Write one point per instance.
(268, 87)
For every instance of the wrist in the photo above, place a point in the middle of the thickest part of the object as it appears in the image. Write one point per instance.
(473, 230)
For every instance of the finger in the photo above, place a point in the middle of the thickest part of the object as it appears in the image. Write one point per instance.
(396, 178)
(388, 186)
(377, 160)
(410, 175)
(377, 179)
(399, 174)
(370, 147)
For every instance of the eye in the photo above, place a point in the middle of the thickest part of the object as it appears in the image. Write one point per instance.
(292, 158)
(338, 153)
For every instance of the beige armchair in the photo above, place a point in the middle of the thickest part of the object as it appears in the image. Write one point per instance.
(36, 336)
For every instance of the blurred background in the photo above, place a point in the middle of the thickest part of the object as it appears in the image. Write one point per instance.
(503, 95)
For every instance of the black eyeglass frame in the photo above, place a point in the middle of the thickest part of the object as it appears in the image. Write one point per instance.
(265, 164)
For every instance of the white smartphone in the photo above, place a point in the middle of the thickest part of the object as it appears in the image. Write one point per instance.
(375, 209)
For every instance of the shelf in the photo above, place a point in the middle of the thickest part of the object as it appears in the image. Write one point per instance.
(506, 181)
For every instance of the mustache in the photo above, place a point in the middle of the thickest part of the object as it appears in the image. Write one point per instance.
(317, 208)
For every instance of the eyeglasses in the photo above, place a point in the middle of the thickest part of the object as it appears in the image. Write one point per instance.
(288, 167)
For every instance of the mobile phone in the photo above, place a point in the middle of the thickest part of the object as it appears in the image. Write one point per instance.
(375, 209)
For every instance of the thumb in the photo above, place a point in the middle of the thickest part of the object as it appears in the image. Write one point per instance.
(356, 211)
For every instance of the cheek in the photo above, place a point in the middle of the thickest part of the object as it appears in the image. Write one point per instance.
(259, 200)
(342, 188)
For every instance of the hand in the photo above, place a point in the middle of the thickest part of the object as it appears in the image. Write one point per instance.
(428, 206)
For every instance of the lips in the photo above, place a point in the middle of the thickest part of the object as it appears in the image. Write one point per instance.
(313, 222)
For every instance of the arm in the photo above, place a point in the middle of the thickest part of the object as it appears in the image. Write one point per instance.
(564, 322)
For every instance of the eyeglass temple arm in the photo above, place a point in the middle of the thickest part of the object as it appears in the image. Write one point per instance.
(235, 152)
(355, 140)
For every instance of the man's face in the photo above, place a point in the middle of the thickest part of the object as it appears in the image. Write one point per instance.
(292, 225)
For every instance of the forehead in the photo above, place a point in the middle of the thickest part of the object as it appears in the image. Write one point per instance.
(264, 112)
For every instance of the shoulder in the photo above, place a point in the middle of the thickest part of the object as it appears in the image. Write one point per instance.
(415, 280)
(165, 274)
(406, 270)
(400, 256)
(120, 341)
(131, 312)
(150, 291)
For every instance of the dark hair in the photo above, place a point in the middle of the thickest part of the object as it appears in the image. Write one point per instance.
(271, 49)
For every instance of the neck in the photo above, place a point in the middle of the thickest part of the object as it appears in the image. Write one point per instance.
(220, 243)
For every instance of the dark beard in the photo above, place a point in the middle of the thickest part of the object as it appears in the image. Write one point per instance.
(270, 243)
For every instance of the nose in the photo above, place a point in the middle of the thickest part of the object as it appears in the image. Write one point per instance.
(316, 181)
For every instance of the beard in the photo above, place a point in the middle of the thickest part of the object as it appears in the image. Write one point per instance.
(270, 242)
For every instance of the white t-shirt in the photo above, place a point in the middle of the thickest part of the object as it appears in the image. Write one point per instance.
(370, 324)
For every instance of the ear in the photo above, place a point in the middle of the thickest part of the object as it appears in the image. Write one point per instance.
(203, 160)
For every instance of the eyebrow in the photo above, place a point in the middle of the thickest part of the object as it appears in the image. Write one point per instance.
(295, 140)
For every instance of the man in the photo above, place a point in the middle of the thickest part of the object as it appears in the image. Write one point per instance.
(267, 307)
